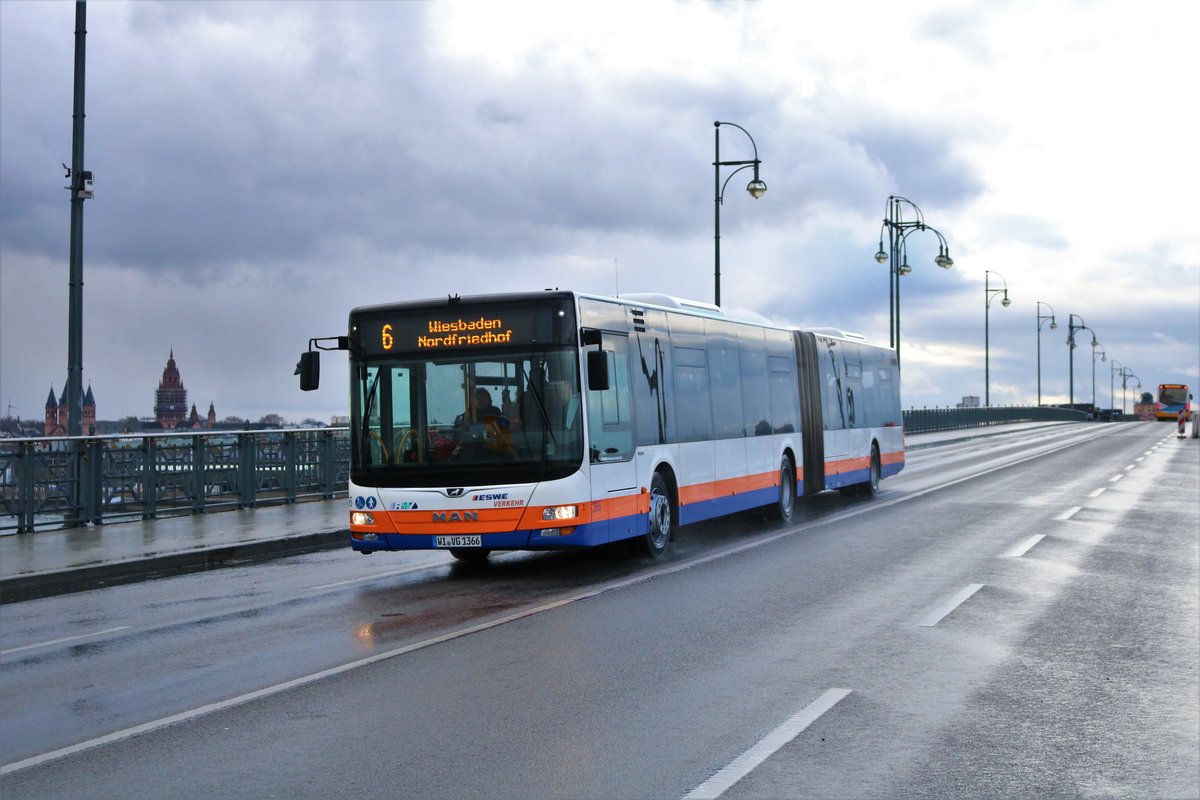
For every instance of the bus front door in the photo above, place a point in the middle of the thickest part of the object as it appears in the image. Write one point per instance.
(613, 468)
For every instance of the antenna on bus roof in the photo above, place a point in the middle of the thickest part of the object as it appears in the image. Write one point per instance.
(453, 299)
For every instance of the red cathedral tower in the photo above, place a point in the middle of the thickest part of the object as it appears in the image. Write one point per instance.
(170, 400)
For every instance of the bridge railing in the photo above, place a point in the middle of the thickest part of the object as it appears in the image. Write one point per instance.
(930, 420)
(57, 482)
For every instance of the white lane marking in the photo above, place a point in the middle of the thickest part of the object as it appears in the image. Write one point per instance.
(377, 575)
(1070, 512)
(1098, 492)
(1131, 466)
(53, 642)
(1025, 546)
(746, 763)
(945, 608)
(1140, 458)
(1116, 478)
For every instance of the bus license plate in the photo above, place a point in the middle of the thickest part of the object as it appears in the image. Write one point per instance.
(458, 541)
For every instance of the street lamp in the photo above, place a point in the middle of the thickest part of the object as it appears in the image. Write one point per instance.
(1071, 328)
(1041, 319)
(756, 188)
(1113, 367)
(898, 230)
(1103, 357)
(1126, 374)
(988, 294)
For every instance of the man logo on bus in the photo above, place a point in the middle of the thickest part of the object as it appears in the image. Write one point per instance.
(455, 516)
(454, 493)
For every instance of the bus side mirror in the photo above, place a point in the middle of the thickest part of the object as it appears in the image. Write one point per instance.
(597, 370)
(309, 370)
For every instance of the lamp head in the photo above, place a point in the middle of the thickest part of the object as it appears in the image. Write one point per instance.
(1053, 324)
(756, 188)
(944, 261)
(881, 256)
(1006, 302)
(904, 268)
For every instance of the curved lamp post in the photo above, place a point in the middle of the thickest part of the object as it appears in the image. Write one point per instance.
(1041, 319)
(1113, 368)
(898, 230)
(1126, 374)
(1103, 357)
(988, 294)
(756, 188)
(1071, 328)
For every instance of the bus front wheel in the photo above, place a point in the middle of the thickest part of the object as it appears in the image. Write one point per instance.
(662, 516)
(470, 555)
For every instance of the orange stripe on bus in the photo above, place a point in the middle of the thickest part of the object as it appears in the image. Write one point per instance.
(727, 487)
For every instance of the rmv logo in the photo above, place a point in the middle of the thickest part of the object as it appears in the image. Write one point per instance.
(454, 516)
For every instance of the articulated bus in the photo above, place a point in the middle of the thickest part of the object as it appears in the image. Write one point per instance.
(558, 419)
(1172, 398)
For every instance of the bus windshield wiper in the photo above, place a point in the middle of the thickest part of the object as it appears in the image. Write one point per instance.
(366, 419)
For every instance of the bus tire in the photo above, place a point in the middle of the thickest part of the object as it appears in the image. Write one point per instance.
(662, 519)
(470, 555)
(871, 487)
(785, 504)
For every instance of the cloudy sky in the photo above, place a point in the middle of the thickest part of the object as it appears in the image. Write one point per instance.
(262, 168)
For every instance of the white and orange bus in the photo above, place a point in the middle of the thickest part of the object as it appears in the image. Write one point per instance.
(558, 419)
(1173, 398)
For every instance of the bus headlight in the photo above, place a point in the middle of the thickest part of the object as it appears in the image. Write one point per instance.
(552, 513)
(362, 518)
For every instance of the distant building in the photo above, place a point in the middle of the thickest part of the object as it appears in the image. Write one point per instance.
(57, 413)
(969, 401)
(170, 399)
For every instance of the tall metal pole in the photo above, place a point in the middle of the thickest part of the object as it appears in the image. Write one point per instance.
(1112, 396)
(987, 376)
(1041, 319)
(717, 213)
(893, 283)
(75, 310)
(897, 231)
(756, 189)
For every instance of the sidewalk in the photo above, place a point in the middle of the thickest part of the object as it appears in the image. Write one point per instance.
(57, 561)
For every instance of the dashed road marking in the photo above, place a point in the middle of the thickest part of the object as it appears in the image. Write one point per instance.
(1025, 546)
(936, 616)
(746, 763)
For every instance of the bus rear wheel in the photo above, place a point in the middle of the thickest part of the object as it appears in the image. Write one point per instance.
(871, 487)
(662, 517)
(785, 505)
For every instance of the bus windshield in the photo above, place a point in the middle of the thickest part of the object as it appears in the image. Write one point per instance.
(467, 418)
(1172, 395)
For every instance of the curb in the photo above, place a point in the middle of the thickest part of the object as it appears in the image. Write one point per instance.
(48, 584)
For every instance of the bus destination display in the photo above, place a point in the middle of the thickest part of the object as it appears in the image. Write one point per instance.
(410, 333)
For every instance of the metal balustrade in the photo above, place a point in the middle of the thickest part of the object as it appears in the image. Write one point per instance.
(931, 420)
(56, 482)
